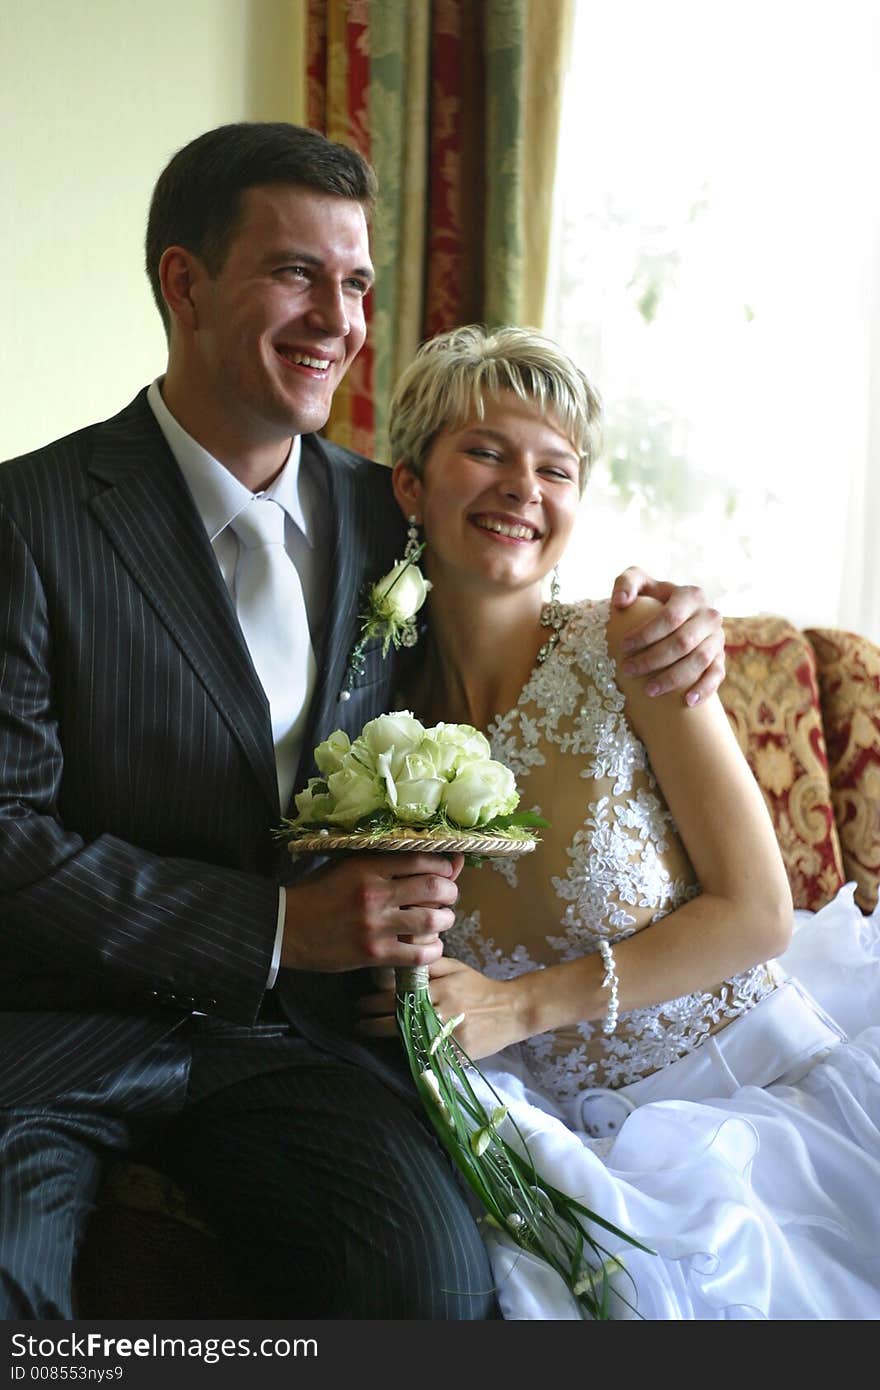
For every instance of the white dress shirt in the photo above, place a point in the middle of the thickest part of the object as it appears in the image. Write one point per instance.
(219, 497)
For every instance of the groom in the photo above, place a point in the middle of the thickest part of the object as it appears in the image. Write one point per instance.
(166, 976)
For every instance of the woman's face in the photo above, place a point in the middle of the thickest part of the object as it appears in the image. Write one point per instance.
(497, 497)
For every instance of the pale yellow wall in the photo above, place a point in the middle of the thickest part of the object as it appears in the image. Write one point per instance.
(95, 95)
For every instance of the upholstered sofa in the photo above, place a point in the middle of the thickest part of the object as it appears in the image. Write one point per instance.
(806, 710)
(805, 706)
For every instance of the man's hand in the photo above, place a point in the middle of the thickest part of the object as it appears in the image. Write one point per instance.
(682, 648)
(373, 909)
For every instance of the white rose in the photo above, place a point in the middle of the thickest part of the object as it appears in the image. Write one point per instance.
(314, 804)
(399, 595)
(356, 791)
(384, 770)
(417, 790)
(452, 746)
(412, 790)
(330, 753)
(481, 791)
(396, 734)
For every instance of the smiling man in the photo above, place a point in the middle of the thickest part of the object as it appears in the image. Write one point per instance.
(259, 344)
(166, 974)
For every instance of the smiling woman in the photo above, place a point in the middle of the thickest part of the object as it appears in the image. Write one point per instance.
(493, 436)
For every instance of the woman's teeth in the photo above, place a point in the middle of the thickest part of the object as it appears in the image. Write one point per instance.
(503, 528)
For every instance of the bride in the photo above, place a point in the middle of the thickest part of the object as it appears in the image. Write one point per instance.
(621, 987)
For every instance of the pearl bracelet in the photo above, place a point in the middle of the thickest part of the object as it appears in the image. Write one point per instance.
(610, 982)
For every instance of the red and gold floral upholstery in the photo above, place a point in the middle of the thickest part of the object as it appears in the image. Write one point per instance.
(849, 688)
(806, 711)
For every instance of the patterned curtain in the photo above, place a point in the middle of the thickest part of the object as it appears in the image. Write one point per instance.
(456, 104)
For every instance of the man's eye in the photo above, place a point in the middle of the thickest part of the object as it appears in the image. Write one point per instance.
(484, 454)
(299, 271)
(561, 473)
(359, 286)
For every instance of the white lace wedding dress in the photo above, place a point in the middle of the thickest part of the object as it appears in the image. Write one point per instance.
(735, 1131)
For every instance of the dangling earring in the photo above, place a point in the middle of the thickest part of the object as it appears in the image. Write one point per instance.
(409, 633)
(553, 615)
(413, 544)
(554, 605)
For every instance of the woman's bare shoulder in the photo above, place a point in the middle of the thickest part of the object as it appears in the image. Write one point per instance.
(624, 620)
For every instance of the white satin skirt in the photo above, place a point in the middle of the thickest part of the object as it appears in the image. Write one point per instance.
(750, 1167)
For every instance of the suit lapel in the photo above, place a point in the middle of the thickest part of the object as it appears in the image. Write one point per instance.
(148, 514)
(366, 528)
(341, 622)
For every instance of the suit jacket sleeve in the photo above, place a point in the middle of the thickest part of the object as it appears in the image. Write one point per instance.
(94, 917)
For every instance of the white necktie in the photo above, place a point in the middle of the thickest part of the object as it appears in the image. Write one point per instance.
(272, 613)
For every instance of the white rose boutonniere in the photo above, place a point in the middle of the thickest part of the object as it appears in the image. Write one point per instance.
(389, 611)
(397, 598)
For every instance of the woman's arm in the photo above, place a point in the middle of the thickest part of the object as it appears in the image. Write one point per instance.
(744, 913)
(742, 917)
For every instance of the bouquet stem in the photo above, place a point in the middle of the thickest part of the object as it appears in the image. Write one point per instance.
(516, 1199)
(411, 979)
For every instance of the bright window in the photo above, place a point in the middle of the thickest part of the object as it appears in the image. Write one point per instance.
(716, 275)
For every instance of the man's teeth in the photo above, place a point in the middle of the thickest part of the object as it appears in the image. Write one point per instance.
(301, 359)
(503, 528)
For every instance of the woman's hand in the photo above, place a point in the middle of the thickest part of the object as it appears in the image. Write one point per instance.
(490, 1007)
(682, 648)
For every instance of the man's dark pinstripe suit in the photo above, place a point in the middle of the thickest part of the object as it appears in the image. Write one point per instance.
(138, 877)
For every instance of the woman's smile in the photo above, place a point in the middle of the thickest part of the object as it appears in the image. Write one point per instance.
(506, 528)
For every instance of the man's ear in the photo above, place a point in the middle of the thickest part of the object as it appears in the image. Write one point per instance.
(179, 271)
(407, 490)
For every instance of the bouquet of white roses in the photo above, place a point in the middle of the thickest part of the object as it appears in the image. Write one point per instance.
(398, 773)
(400, 785)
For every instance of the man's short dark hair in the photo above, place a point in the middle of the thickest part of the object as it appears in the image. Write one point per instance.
(197, 200)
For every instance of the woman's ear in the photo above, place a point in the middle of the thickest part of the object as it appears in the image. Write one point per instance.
(407, 490)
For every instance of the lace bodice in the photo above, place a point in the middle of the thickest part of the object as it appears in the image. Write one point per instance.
(610, 864)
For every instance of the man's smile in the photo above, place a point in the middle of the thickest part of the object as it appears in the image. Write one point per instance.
(303, 359)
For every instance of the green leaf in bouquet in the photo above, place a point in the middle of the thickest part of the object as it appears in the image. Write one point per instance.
(524, 820)
(536, 1215)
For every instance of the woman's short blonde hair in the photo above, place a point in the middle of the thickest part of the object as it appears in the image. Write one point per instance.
(448, 380)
